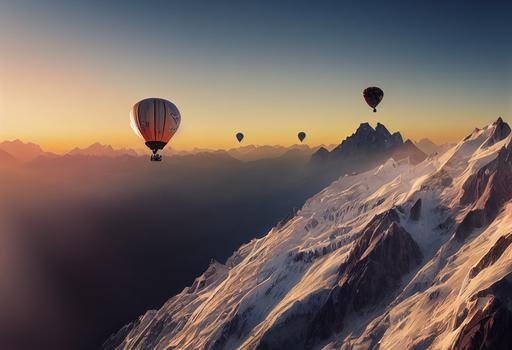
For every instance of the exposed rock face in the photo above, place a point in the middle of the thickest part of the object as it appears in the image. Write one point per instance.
(370, 146)
(382, 255)
(489, 327)
(486, 191)
(367, 140)
(415, 210)
(492, 255)
(501, 130)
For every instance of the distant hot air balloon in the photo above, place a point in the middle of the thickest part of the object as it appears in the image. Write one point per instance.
(239, 136)
(373, 95)
(156, 121)
(301, 135)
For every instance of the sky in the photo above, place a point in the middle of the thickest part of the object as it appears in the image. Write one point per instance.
(71, 70)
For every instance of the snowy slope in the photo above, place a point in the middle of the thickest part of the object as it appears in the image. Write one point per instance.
(400, 257)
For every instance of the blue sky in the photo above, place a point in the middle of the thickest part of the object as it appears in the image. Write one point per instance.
(269, 68)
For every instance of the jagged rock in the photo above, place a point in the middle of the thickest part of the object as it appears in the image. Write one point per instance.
(372, 145)
(415, 210)
(381, 256)
(486, 191)
(501, 131)
(489, 327)
(492, 255)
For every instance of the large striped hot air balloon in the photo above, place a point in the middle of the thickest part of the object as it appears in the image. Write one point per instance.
(156, 121)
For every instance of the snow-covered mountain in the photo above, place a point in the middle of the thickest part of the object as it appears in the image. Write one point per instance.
(404, 256)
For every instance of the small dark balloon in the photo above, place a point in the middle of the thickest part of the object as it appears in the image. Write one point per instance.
(373, 95)
(239, 136)
(301, 135)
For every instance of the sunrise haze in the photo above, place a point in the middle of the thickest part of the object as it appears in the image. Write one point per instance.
(70, 71)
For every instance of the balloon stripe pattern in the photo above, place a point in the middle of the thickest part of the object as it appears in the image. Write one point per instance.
(155, 120)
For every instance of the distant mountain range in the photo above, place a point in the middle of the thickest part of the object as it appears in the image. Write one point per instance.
(99, 150)
(366, 142)
(252, 152)
(428, 147)
(23, 151)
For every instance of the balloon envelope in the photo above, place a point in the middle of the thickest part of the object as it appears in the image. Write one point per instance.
(301, 135)
(156, 121)
(239, 136)
(373, 95)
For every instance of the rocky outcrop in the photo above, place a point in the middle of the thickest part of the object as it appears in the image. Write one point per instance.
(501, 131)
(488, 326)
(492, 255)
(383, 254)
(486, 192)
(365, 149)
(367, 140)
(415, 211)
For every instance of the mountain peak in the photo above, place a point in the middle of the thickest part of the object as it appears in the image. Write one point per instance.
(364, 128)
(368, 145)
(500, 130)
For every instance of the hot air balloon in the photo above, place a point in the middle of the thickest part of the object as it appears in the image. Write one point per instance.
(373, 95)
(301, 135)
(239, 136)
(156, 121)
